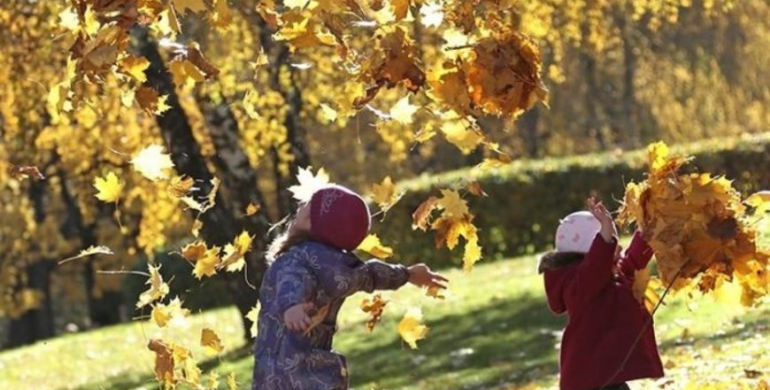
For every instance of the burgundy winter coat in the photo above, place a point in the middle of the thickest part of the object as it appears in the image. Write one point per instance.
(604, 318)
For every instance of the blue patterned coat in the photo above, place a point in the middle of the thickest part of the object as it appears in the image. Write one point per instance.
(316, 273)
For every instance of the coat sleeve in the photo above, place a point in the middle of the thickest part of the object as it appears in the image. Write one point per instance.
(592, 274)
(295, 284)
(637, 256)
(378, 275)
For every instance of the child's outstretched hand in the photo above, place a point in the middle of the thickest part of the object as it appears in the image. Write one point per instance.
(608, 230)
(297, 318)
(421, 275)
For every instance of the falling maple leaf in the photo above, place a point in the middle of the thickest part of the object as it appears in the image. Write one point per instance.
(194, 251)
(452, 203)
(308, 183)
(180, 186)
(403, 111)
(232, 384)
(374, 247)
(253, 316)
(411, 328)
(91, 250)
(150, 101)
(431, 14)
(384, 194)
(136, 67)
(374, 307)
(158, 288)
(760, 201)
(435, 292)
(164, 363)
(207, 264)
(152, 163)
(209, 200)
(328, 113)
(233, 259)
(475, 189)
(472, 251)
(421, 216)
(109, 187)
(196, 227)
(173, 312)
(211, 341)
(29, 171)
(252, 209)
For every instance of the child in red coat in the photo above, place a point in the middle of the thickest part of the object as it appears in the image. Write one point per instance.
(586, 278)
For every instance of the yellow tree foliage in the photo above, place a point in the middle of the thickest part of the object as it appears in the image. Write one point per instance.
(698, 226)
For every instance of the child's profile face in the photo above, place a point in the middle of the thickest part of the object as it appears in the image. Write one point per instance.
(302, 219)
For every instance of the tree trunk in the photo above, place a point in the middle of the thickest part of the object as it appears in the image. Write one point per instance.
(36, 324)
(630, 117)
(220, 223)
(528, 126)
(105, 309)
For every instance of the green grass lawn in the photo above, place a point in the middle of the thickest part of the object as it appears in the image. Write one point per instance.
(492, 332)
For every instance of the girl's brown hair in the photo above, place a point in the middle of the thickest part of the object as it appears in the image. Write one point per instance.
(554, 259)
(284, 242)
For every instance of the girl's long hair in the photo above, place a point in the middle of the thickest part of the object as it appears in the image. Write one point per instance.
(284, 241)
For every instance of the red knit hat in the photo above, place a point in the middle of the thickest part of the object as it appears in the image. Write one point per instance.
(339, 217)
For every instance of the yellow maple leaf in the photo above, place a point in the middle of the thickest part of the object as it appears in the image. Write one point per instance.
(374, 247)
(308, 183)
(253, 316)
(196, 227)
(411, 328)
(91, 250)
(207, 264)
(472, 252)
(760, 201)
(403, 111)
(90, 24)
(68, 19)
(233, 259)
(457, 133)
(108, 187)
(222, 16)
(212, 381)
(384, 194)
(232, 384)
(183, 71)
(431, 14)
(173, 312)
(252, 209)
(453, 205)
(211, 341)
(180, 186)
(152, 163)
(135, 66)
(158, 288)
(328, 113)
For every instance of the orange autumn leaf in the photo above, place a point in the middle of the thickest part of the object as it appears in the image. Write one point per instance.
(421, 216)
(164, 363)
(374, 307)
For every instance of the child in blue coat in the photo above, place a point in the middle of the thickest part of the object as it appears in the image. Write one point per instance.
(311, 273)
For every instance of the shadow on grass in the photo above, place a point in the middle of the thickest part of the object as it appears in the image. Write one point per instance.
(760, 324)
(512, 340)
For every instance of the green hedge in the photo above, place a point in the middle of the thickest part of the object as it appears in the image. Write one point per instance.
(527, 198)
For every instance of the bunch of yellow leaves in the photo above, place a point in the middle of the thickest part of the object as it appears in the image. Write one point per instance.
(698, 226)
(455, 221)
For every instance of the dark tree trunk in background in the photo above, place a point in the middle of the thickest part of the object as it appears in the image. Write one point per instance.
(36, 324)
(527, 125)
(104, 309)
(221, 223)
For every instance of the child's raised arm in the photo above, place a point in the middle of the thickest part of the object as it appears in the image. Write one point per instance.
(595, 271)
(379, 275)
(637, 256)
